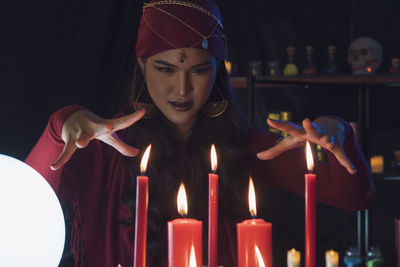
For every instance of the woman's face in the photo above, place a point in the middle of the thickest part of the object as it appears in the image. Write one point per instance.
(179, 82)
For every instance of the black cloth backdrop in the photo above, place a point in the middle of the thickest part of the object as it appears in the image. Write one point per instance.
(55, 53)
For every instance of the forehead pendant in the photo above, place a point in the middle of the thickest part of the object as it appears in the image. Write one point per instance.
(205, 44)
(181, 57)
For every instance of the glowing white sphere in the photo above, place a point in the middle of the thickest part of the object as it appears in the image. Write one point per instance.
(32, 229)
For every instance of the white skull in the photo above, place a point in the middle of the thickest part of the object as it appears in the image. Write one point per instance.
(364, 55)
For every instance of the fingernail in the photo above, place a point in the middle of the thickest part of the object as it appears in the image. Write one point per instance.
(52, 167)
(261, 156)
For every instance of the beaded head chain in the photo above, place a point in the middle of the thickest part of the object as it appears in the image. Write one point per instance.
(173, 24)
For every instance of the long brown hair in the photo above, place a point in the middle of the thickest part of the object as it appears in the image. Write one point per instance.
(173, 160)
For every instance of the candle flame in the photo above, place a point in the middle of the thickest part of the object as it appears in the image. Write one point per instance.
(259, 258)
(252, 199)
(309, 156)
(182, 201)
(145, 159)
(213, 159)
(228, 66)
(192, 259)
(368, 69)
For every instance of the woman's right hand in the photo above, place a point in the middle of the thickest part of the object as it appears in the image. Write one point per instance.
(83, 126)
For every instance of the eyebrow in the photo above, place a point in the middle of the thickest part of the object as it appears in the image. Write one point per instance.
(205, 63)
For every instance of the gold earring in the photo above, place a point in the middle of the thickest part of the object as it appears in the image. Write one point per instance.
(215, 108)
(148, 106)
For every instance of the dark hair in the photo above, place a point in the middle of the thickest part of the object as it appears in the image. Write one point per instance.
(173, 160)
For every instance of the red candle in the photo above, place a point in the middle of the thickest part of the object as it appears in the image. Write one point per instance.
(183, 235)
(142, 201)
(253, 235)
(310, 211)
(213, 212)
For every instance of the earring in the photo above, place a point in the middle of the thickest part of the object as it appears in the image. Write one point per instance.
(148, 106)
(215, 108)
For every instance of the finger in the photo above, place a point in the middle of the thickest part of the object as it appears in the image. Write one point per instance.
(343, 159)
(310, 128)
(286, 144)
(114, 141)
(287, 127)
(318, 135)
(125, 121)
(82, 143)
(65, 155)
(329, 141)
(84, 140)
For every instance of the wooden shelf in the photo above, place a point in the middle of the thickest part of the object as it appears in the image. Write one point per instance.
(387, 176)
(282, 81)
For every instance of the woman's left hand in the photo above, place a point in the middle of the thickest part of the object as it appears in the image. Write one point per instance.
(324, 131)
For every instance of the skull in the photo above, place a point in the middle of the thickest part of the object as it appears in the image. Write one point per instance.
(365, 55)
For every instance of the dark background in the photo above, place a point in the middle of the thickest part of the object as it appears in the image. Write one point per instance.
(55, 53)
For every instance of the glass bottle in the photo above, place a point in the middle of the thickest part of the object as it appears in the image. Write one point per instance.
(353, 258)
(290, 67)
(374, 257)
(331, 64)
(309, 66)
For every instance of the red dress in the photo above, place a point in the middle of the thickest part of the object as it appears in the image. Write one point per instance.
(92, 182)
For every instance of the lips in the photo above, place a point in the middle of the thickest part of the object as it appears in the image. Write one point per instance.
(181, 106)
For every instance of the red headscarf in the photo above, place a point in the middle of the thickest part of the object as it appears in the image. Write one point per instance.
(171, 24)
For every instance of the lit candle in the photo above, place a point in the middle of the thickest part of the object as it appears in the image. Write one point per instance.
(293, 258)
(331, 258)
(142, 200)
(252, 233)
(376, 163)
(213, 212)
(310, 210)
(184, 234)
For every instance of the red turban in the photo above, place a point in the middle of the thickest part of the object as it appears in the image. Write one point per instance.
(172, 24)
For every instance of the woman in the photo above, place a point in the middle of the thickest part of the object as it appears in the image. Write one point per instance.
(181, 82)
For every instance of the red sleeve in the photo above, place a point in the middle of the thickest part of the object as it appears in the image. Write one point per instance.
(335, 186)
(49, 146)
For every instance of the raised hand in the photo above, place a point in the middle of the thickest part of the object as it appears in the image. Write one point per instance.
(325, 131)
(83, 126)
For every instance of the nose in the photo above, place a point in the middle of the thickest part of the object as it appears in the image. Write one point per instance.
(184, 83)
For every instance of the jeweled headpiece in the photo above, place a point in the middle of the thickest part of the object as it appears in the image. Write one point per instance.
(171, 24)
